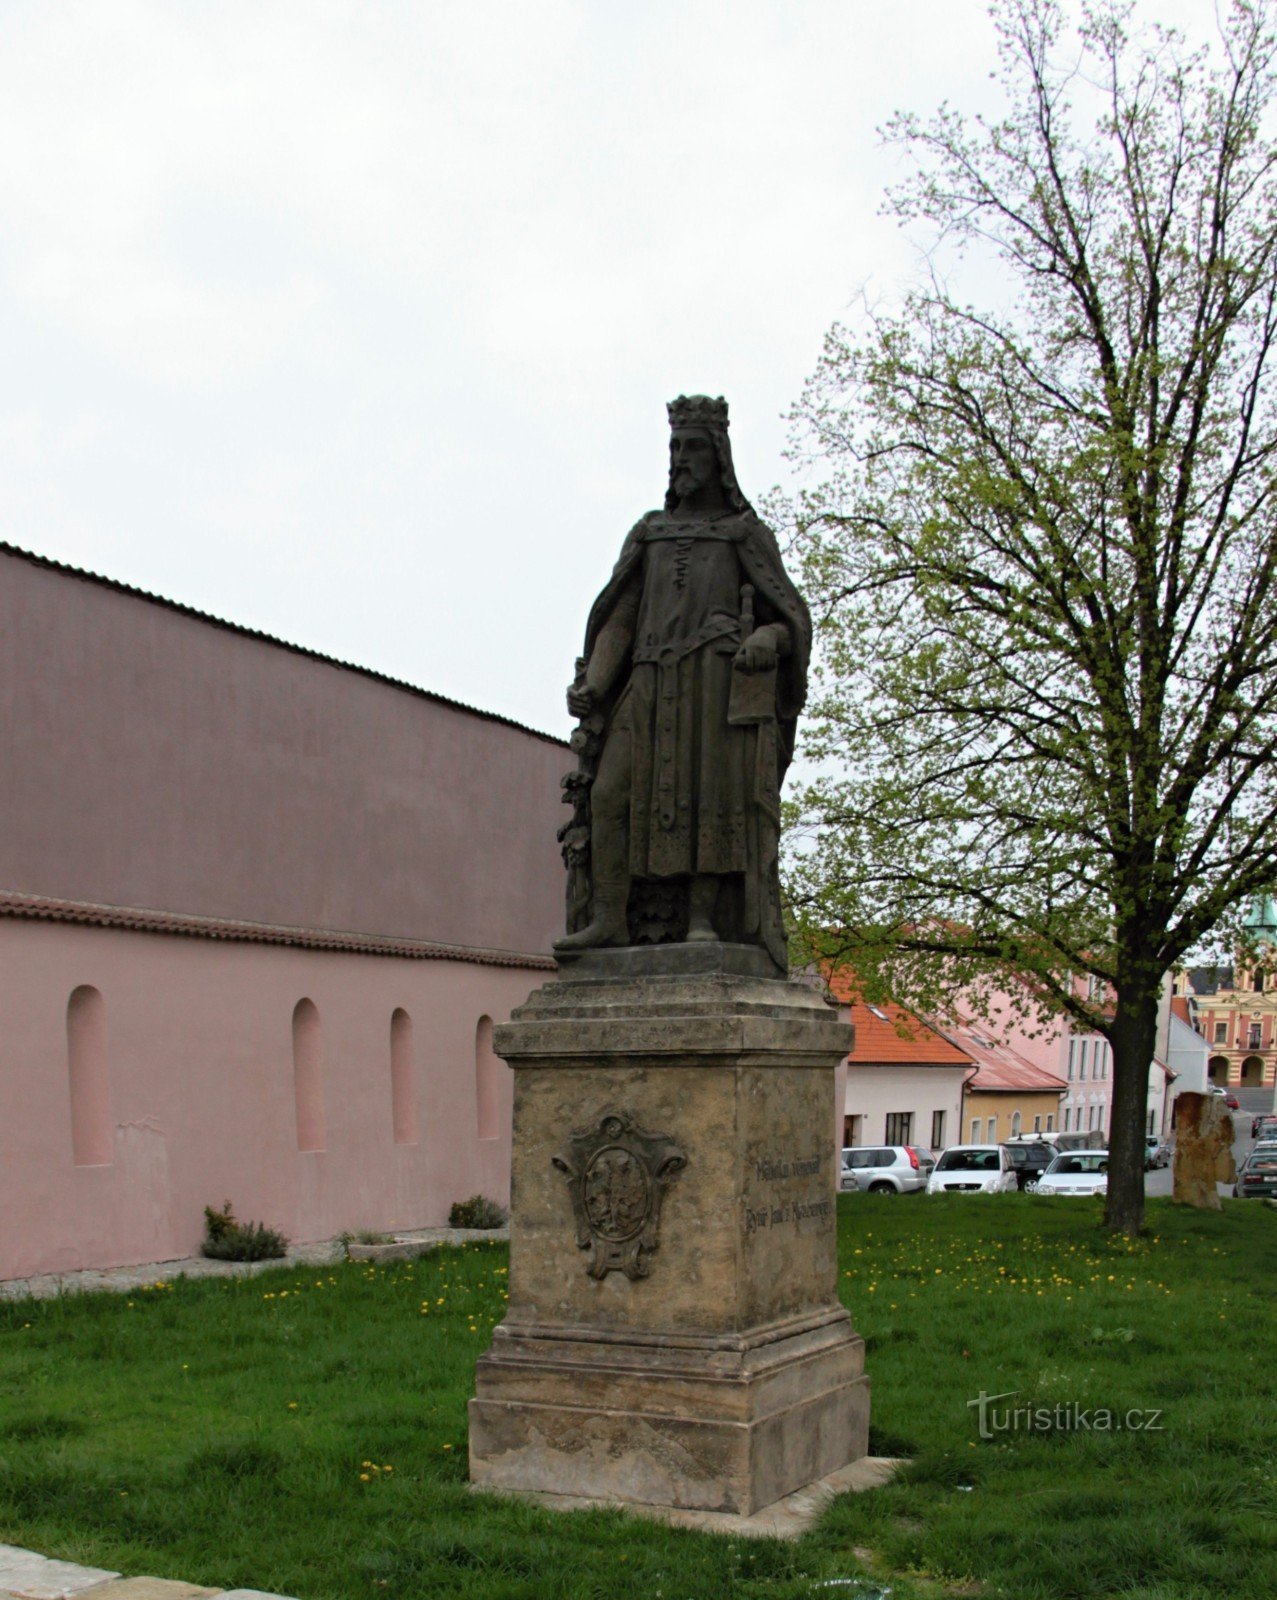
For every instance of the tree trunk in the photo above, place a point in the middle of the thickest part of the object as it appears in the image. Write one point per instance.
(1133, 1039)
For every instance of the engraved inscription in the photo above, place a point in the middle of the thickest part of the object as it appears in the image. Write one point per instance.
(768, 1171)
(616, 1174)
(788, 1212)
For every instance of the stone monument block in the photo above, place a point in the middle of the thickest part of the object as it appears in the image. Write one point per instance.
(674, 1334)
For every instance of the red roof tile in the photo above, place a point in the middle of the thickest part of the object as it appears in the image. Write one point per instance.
(999, 1068)
(888, 1035)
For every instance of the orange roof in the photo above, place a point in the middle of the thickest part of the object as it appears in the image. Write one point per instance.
(888, 1035)
(1179, 1008)
(999, 1068)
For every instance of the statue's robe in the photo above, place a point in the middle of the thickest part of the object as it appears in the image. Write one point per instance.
(704, 791)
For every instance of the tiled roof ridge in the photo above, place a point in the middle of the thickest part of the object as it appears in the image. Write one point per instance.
(995, 1056)
(920, 1035)
(46, 909)
(119, 587)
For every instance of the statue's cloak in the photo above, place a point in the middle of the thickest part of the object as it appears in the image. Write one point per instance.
(776, 600)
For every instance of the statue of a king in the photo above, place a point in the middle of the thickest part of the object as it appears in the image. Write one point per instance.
(688, 692)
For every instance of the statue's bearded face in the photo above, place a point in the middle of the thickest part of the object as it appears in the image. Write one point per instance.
(693, 461)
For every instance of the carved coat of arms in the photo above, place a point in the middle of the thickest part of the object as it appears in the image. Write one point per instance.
(617, 1173)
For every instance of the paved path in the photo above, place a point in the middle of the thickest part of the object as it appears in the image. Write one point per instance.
(119, 1279)
(24, 1575)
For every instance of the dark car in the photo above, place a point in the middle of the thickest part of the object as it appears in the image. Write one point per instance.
(1264, 1127)
(1030, 1160)
(1257, 1175)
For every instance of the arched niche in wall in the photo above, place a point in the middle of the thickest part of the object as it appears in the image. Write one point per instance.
(92, 1137)
(308, 1075)
(403, 1082)
(486, 1067)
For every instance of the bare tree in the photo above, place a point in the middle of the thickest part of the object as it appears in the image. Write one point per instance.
(1043, 551)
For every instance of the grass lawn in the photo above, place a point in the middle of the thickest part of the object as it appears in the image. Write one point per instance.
(305, 1431)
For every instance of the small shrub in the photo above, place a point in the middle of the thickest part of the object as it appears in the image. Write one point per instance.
(477, 1212)
(226, 1238)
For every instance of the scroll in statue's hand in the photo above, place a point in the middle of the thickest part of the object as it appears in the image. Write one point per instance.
(758, 653)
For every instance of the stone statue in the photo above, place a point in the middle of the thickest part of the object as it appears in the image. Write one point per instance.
(693, 675)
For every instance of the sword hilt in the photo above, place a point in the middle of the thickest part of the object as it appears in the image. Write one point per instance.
(746, 611)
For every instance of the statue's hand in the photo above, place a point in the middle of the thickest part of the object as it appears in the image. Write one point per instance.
(758, 653)
(581, 699)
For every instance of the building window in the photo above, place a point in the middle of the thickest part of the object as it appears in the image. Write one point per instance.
(991, 1137)
(1016, 1124)
(975, 1130)
(1067, 1114)
(1072, 1058)
(937, 1130)
(899, 1127)
(403, 1084)
(1252, 1036)
(853, 1128)
(92, 1137)
(1050, 1122)
(308, 1076)
(1221, 1033)
(1037, 1124)
(486, 1067)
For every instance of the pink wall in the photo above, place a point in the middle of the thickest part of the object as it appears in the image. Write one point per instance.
(200, 1102)
(152, 759)
(1045, 1043)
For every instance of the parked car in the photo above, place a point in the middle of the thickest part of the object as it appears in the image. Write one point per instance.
(1030, 1158)
(1263, 1126)
(1076, 1172)
(1231, 1101)
(1257, 1174)
(1156, 1153)
(973, 1169)
(883, 1169)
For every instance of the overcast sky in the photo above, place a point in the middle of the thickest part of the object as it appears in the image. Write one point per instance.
(356, 323)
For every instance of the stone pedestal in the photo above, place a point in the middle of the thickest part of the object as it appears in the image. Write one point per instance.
(674, 1335)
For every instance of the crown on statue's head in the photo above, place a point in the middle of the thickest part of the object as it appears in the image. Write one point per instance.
(697, 411)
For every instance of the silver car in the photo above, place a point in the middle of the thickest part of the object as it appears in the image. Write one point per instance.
(885, 1169)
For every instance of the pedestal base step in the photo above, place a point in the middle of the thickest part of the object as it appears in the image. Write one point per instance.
(788, 1518)
(663, 1429)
